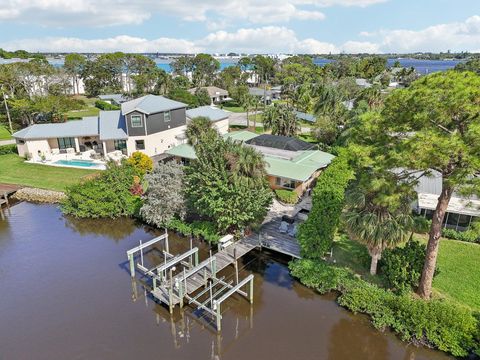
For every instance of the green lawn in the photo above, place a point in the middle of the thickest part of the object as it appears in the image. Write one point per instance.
(237, 109)
(78, 114)
(459, 277)
(4, 133)
(13, 170)
(458, 262)
(258, 129)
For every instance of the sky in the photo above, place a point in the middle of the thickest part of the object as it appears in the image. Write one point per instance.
(246, 26)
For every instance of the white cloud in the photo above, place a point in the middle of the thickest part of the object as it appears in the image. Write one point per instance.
(100, 13)
(118, 43)
(457, 36)
(359, 47)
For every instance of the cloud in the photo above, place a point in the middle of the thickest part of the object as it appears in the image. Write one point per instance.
(456, 36)
(100, 13)
(118, 43)
(359, 47)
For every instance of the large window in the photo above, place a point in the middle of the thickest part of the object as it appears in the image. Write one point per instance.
(136, 121)
(120, 145)
(65, 143)
(140, 144)
(166, 116)
(286, 183)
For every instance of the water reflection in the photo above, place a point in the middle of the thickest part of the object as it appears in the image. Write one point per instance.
(115, 229)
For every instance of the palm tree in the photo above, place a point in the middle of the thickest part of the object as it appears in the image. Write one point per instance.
(245, 164)
(248, 101)
(373, 96)
(371, 220)
(199, 128)
(281, 119)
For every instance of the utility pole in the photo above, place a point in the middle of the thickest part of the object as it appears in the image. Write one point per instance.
(5, 97)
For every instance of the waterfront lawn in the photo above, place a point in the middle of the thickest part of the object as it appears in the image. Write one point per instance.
(459, 274)
(4, 133)
(457, 261)
(14, 170)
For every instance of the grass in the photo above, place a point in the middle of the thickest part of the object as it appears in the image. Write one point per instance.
(4, 133)
(258, 129)
(14, 170)
(88, 110)
(236, 109)
(459, 274)
(308, 138)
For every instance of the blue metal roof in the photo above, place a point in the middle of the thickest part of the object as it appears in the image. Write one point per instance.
(304, 116)
(150, 104)
(112, 125)
(88, 126)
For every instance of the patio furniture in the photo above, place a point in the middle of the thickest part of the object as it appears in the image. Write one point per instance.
(288, 219)
(293, 231)
(283, 227)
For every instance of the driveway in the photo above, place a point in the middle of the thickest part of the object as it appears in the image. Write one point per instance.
(7, 142)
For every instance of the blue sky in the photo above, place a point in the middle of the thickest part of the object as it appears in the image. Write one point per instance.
(261, 26)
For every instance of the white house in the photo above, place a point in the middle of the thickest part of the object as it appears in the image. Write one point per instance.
(151, 124)
(219, 118)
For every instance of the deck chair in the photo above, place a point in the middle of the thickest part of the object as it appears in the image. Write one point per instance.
(293, 231)
(283, 227)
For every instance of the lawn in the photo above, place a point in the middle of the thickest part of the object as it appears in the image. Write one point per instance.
(13, 170)
(258, 129)
(4, 133)
(458, 262)
(459, 276)
(88, 110)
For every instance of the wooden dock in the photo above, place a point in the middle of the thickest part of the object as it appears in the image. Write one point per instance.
(271, 238)
(5, 191)
(203, 271)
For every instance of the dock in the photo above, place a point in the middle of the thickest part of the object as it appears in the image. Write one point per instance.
(180, 279)
(271, 238)
(5, 191)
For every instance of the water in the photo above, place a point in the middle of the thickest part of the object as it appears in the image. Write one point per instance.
(422, 66)
(66, 294)
(79, 163)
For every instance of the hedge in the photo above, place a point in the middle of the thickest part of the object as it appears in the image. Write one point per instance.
(103, 105)
(441, 324)
(8, 149)
(287, 196)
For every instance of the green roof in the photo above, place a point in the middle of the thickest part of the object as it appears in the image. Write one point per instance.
(300, 168)
(184, 150)
(242, 135)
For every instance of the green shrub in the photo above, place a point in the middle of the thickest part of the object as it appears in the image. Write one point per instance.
(315, 235)
(437, 323)
(107, 195)
(8, 149)
(467, 236)
(200, 229)
(421, 225)
(402, 266)
(103, 105)
(287, 196)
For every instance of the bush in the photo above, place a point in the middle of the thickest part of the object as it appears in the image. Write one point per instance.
(287, 196)
(8, 149)
(421, 225)
(103, 105)
(107, 195)
(467, 236)
(315, 235)
(141, 162)
(436, 323)
(200, 229)
(402, 266)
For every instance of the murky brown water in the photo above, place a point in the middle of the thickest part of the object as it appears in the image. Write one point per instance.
(65, 293)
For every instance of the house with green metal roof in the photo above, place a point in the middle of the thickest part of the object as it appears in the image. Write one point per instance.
(291, 163)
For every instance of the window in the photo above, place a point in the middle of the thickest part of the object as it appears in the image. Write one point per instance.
(136, 121)
(286, 183)
(120, 145)
(140, 144)
(166, 116)
(65, 143)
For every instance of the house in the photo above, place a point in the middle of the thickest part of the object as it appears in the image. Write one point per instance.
(151, 124)
(266, 94)
(364, 83)
(291, 163)
(461, 211)
(114, 99)
(216, 94)
(219, 118)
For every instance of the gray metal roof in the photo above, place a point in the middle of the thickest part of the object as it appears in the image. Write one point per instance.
(212, 91)
(214, 114)
(88, 126)
(304, 116)
(259, 92)
(112, 125)
(150, 104)
(118, 98)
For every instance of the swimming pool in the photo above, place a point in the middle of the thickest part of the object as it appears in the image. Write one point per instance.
(80, 163)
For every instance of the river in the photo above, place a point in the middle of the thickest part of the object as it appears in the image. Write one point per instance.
(66, 294)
